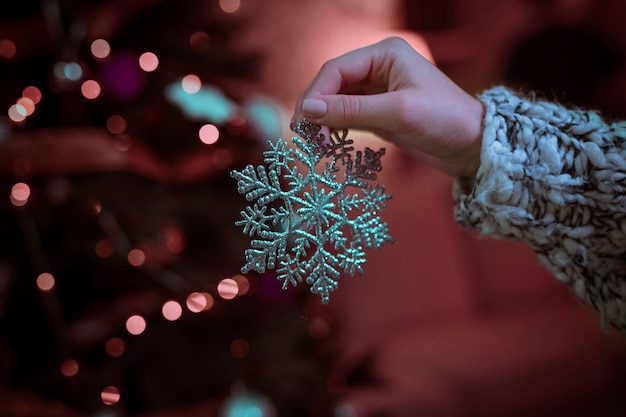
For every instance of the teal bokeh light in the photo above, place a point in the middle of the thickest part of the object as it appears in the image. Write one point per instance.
(70, 71)
(211, 105)
(247, 404)
(208, 104)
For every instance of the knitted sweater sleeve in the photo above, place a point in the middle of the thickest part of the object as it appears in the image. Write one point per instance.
(555, 179)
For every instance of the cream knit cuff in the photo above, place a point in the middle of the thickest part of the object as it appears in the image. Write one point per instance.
(555, 179)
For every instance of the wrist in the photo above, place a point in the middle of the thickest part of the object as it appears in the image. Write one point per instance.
(473, 129)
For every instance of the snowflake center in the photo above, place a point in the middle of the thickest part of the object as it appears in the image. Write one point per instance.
(314, 206)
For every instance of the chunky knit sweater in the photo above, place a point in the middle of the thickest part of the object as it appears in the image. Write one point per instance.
(554, 178)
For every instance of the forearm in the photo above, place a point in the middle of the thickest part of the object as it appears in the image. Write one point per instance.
(555, 179)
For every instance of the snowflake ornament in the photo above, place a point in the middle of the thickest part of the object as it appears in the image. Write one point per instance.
(312, 226)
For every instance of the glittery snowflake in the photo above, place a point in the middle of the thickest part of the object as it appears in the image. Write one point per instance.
(310, 225)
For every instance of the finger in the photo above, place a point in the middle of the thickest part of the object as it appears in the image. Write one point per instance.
(339, 111)
(355, 69)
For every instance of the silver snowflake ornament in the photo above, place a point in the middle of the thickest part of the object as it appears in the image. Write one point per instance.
(306, 223)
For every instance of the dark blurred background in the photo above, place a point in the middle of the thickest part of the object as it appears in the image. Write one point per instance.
(120, 291)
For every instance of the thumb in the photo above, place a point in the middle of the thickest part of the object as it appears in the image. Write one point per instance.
(341, 111)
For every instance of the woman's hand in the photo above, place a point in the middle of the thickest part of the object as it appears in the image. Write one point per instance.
(391, 90)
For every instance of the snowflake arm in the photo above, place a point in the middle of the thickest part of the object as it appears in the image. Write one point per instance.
(258, 184)
(352, 259)
(317, 226)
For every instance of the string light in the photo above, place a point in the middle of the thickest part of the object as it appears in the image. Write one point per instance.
(27, 104)
(20, 193)
(116, 124)
(32, 93)
(136, 325)
(110, 395)
(199, 41)
(199, 301)
(45, 282)
(227, 288)
(17, 113)
(236, 125)
(209, 134)
(90, 89)
(172, 310)
(148, 61)
(69, 367)
(100, 49)
(7, 49)
(122, 142)
(73, 71)
(243, 285)
(191, 84)
(115, 347)
(104, 248)
(136, 257)
(94, 206)
(174, 239)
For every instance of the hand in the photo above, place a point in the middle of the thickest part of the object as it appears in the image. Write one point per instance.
(391, 90)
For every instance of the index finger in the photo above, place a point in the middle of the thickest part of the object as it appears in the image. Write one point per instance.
(361, 65)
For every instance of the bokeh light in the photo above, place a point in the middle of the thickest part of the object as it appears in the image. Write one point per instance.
(100, 49)
(104, 248)
(115, 347)
(199, 301)
(199, 41)
(122, 142)
(45, 282)
(27, 104)
(116, 124)
(191, 84)
(72, 71)
(239, 348)
(94, 206)
(148, 61)
(136, 325)
(175, 240)
(243, 285)
(236, 125)
(20, 193)
(230, 6)
(7, 48)
(69, 367)
(90, 89)
(59, 70)
(227, 288)
(110, 395)
(209, 134)
(136, 257)
(17, 113)
(172, 310)
(32, 93)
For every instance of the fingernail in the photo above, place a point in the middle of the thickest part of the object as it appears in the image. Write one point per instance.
(314, 108)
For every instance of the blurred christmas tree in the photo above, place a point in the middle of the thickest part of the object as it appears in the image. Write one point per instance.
(119, 288)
